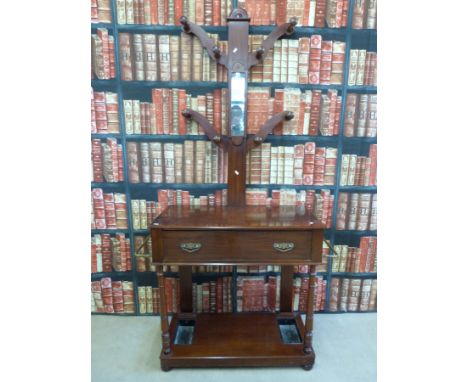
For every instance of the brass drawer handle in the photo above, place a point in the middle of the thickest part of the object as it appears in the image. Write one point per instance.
(190, 247)
(283, 247)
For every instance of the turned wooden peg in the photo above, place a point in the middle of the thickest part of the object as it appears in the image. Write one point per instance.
(289, 116)
(258, 139)
(185, 25)
(292, 24)
(259, 53)
(186, 114)
(216, 52)
(216, 139)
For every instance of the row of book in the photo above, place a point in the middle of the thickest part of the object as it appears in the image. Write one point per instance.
(168, 12)
(107, 161)
(108, 210)
(101, 11)
(302, 164)
(319, 203)
(314, 113)
(314, 13)
(151, 57)
(262, 293)
(357, 211)
(352, 295)
(364, 14)
(362, 68)
(359, 170)
(104, 112)
(102, 55)
(110, 253)
(212, 296)
(362, 259)
(189, 162)
(109, 296)
(361, 115)
(144, 212)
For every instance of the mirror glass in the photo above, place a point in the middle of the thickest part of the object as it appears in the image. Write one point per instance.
(238, 86)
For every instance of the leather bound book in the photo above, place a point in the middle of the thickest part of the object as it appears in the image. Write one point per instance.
(315, 59)
(365, 295)
(359, 12)
(126, 57)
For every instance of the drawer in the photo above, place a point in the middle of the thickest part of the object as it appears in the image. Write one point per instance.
(228, 246)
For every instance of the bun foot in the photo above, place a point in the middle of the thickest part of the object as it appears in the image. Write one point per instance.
(308, 367)
(165, 368)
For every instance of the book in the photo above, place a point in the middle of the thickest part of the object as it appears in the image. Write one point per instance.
(109, 296)
(151, 57)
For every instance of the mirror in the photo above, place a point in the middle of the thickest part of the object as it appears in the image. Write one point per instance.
(238, 87)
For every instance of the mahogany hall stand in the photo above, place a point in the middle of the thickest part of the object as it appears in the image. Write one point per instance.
(236, 234)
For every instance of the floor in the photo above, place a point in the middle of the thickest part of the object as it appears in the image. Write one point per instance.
(127, 349)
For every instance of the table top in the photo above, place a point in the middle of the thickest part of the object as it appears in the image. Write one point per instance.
(233, 217)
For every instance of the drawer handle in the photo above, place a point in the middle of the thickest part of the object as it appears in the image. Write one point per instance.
(190, 247)
(283, 247)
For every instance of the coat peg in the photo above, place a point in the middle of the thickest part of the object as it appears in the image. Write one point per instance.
(259, 53)
(185, 25)
(292, 24)
(216, 52)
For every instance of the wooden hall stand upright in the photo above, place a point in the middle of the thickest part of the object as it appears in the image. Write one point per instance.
(236, 234)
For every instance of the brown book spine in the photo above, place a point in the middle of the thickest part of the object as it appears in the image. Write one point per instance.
(126, 57)
(352, 211)
(278, 108)
(315, 59)
(334, 294)
(342, 210)
(350, 115)
(373, 296)
(359, 14)
(320, 12)
(365, 253)
(326, 62)
(133, 162)
(344, 295)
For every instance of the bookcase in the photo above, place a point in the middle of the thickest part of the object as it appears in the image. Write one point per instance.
(354, 39)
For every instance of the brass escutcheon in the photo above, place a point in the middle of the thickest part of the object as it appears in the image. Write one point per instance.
(283, 247)
(190, 247)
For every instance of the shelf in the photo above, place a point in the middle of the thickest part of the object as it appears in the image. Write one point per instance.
(359, 140)
(114, 186)
(210, 85)
(358, 188)
(179, 186)
(362, 89)
(104, 136)
(277, 139)
(290, 187)
(355, 232)
(95, 26)
(369, 275)
(241, 339)
(110, 231)
(104, 85)
(141, 232)
(113, 274)
(165, 137)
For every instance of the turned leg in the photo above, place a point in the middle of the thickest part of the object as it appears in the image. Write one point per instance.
(163, 311)
(310, 312)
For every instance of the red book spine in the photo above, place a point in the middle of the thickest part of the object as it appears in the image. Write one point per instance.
(106, 290)
(326, 62)
(154, 11)
(158, 103)
(278, 108)
(281, 11)
(182, 128)
(98, 208)
(344, 18)
(372, 254)
(364, 246)
(336, 126)
(315, 59)
(217, 110)
(178, 11)
(320, 10)
(315, 112)
(219, 295)
(96, 158)
(373, 165)
(112, 56)
(217, 12)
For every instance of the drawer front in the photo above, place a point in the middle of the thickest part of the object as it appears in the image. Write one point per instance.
(236, 246)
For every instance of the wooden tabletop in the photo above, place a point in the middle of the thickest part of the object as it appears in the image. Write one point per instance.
(229, 217)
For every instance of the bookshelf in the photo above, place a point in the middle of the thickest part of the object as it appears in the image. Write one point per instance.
(354, 39)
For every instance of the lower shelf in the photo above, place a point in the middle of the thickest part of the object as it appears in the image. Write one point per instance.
(236, 340)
